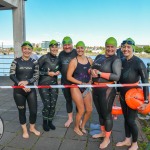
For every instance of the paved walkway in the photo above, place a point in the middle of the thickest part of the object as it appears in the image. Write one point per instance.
(60, 139)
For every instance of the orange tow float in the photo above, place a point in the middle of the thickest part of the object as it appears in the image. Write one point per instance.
(135, 98)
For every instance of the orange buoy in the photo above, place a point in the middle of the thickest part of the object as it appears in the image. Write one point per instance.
(135, 98)
(116, 110)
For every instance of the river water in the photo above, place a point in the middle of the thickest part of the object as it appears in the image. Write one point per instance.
(5, 62)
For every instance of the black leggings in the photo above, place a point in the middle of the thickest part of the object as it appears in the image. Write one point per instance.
(67, 95)
(103, 99)
(49, 99)
(129, 116)
(20, 97)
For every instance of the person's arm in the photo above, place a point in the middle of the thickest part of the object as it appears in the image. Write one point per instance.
(13, 72)
(71, 68)
(41, 62)
(144, 78)
(116, 71)
(35, 74)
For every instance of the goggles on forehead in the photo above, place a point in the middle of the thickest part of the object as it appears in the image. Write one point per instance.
(128, 42)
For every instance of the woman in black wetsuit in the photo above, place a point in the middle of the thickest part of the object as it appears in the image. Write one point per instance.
(78, 74)
(25, 71)
(133, 69)
(105, 69)
(48, 66)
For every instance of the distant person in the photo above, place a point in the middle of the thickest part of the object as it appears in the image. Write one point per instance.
(25, 71)
(48, 66)
(78, 74)
(133, 70)
(65, 57)
(105, 69)
(119, 53)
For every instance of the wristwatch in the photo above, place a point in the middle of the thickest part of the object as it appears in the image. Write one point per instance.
(146, 101)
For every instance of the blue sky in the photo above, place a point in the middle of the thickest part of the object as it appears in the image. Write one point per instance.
(92, 21)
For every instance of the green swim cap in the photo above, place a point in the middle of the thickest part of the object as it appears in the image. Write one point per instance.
(129, 41)
(27, 43)
(53, 42)
(111, 41)
(67, 40)
(81, 44)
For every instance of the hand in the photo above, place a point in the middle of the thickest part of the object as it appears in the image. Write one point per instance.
(51, 74)
(57, 73)
(142, 107)
(23, 83)
(27, 89)
(94, 73)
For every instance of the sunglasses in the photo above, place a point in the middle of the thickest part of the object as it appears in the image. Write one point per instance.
(128, 42)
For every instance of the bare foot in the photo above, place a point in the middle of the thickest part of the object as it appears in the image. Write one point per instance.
(104, 144)
(25, 135)
(83, 130)
(134, 147)
(36, 132)
(67, 124)
(77, 130)
(95, 136)
(124, 143)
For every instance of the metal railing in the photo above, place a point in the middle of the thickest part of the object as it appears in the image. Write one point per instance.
(2, 69)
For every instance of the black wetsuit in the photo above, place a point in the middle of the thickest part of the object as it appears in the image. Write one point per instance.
(49, 96)
(25, 70)
(81, 73)
(104, 97)
(133, 70)
(64, 59)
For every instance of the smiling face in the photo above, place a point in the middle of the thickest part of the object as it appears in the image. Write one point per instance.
(67, 48)
(54, 50)
(26, 51)
(110, 50)
(80, 50)
(127, 50)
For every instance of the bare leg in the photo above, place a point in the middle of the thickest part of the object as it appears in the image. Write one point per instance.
(77, 98)
(33, 130)
(25, 131)
(88, 107)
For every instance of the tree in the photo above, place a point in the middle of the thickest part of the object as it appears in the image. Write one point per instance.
(138, 49)
(146, 49)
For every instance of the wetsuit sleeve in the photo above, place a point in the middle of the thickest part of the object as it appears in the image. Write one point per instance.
(41, 62)
(144, 78)
(116, 71)
(35, 74)
(13, 72)
(59, 62)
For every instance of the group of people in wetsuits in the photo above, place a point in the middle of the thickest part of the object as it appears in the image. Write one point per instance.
(76, 68)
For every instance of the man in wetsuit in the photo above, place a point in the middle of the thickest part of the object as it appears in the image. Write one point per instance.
(133, 69)
(48, 66)
(105, 69)
(65, 57)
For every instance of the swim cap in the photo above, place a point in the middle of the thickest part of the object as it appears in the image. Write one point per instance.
(26, 43)
(81, 44)
(111, 41)
(53, 42)
(67, 40)
(130, 42)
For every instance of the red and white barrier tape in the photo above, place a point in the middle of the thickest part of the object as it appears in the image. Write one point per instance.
(75, 86)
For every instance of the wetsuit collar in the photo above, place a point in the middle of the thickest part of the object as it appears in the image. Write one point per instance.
(130, 58)
(53, 56)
